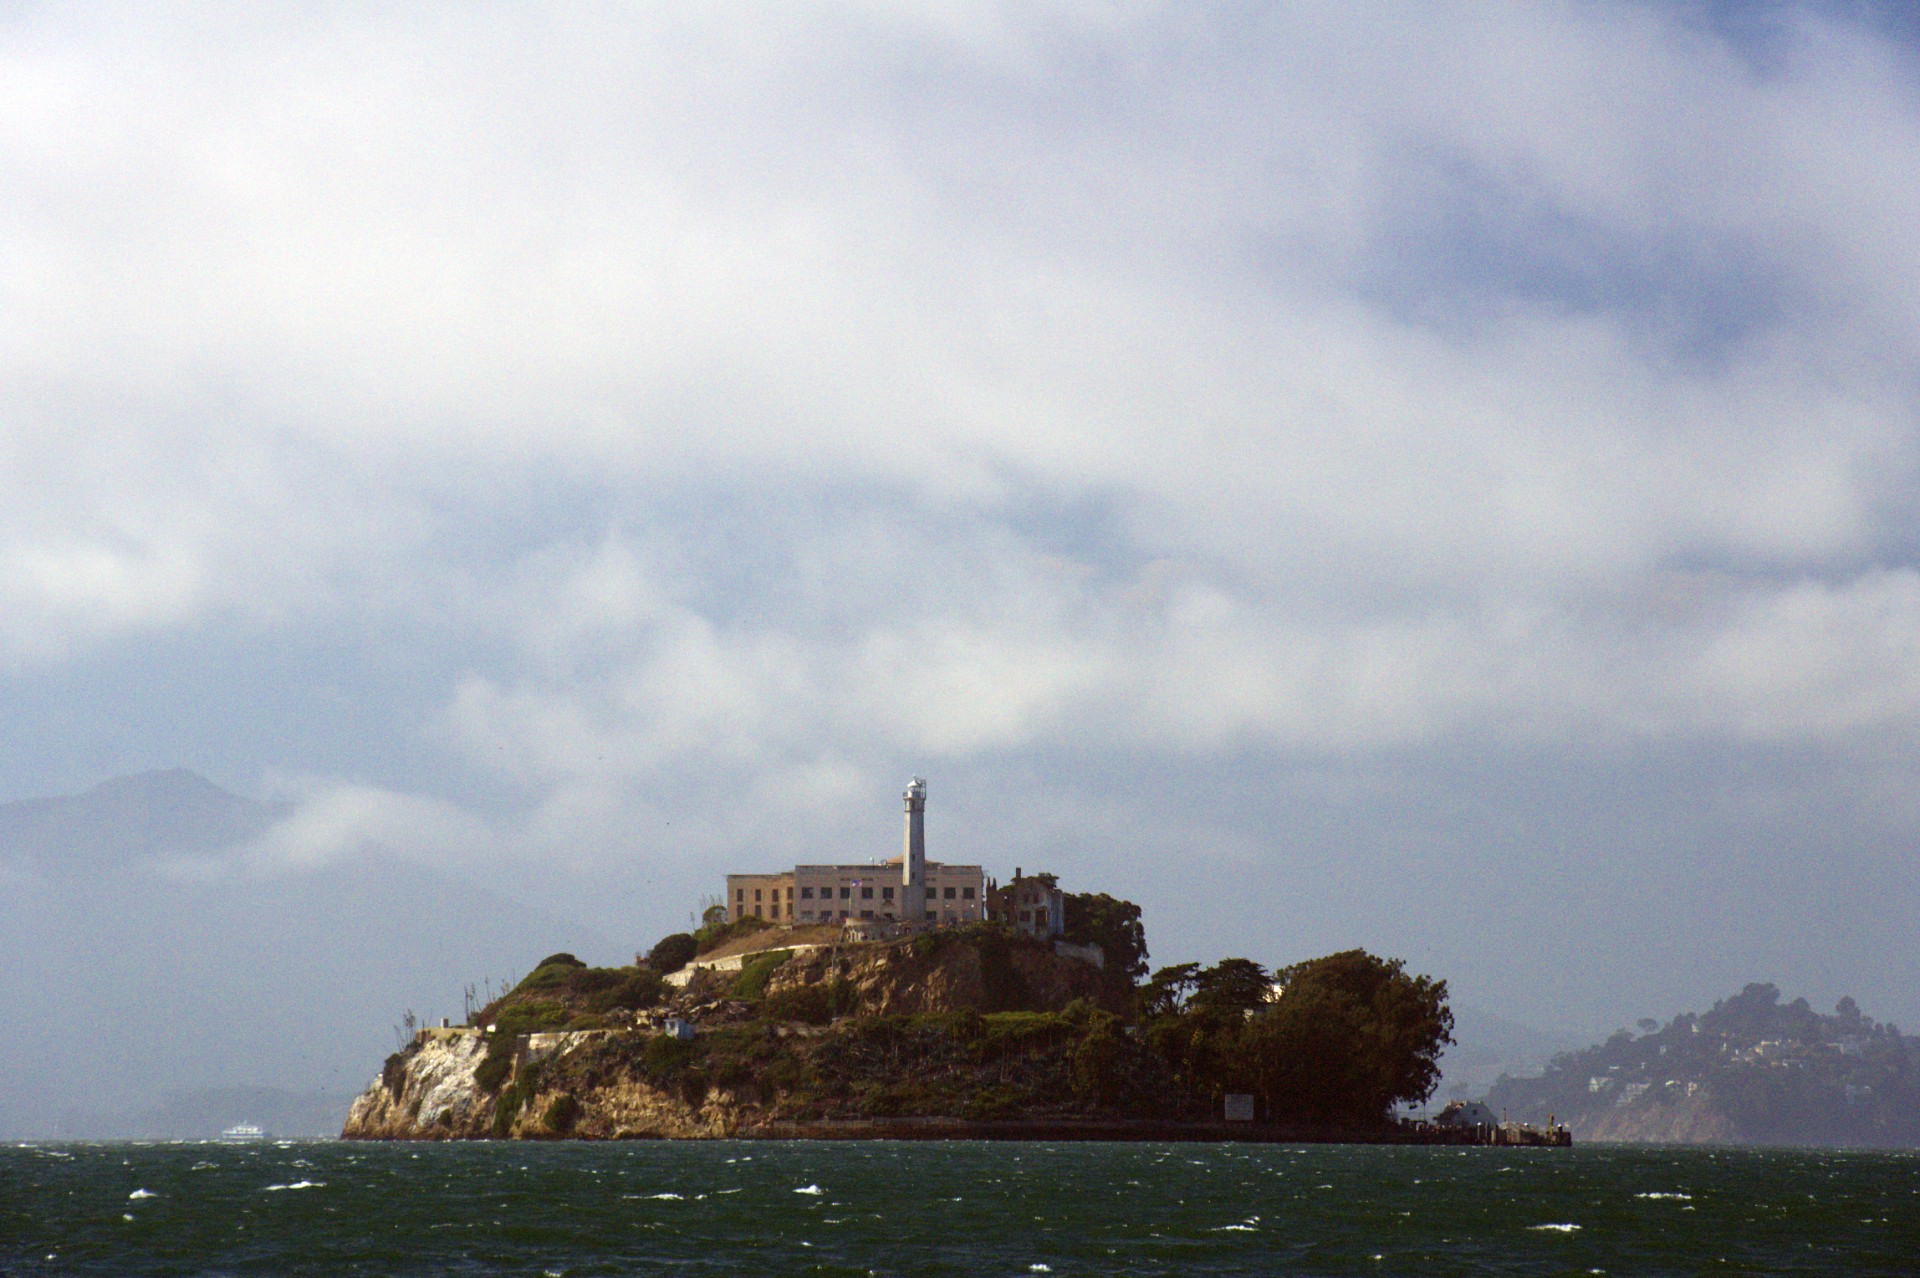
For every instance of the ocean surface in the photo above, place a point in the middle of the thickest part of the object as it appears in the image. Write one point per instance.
(744, 1208)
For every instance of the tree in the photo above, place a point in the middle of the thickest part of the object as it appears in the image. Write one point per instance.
(1232, 987)
(672, 953)
(1351, 1036)
(1167, 993)
(1094, 918)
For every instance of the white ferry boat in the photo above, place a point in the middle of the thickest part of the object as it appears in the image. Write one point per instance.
(243, 1134)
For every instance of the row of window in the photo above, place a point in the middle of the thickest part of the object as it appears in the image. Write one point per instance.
(828, 916)
(886, 893)
(846, 893)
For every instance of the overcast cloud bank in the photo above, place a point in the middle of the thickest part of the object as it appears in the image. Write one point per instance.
(1440, 466)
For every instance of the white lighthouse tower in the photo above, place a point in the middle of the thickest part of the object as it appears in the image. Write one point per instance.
(913, 866)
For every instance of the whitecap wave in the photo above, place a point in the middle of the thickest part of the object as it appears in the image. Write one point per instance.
(810, 1189)
(143, 1193)
(1685, 1198)
(1555, 1229)
(298, 1184)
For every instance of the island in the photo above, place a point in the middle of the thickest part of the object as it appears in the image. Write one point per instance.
(906, 998)
(972, 1031)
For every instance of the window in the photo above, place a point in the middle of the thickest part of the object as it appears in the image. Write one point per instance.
(1026, 916)
(756, 895)
(948, 894)
(806, 894)
(866, 914)
(789, 894)
(866, 894)
(739, 894)
(929, 916)
(886, 894)
(845, 892)
(775, 913)
(967, 893)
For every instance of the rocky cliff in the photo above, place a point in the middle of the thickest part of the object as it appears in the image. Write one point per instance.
(991, 1026)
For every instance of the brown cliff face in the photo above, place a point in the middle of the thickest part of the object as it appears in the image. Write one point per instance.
(632, 1082)
(934, 974)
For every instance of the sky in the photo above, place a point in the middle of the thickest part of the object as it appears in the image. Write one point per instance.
(1437, 478)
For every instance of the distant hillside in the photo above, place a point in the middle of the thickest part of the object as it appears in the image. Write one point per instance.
(1486, 1046)
(168, 813)
(127, 988)
(1753, 1070)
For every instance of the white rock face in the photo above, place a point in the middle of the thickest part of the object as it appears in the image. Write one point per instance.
(435, 1091)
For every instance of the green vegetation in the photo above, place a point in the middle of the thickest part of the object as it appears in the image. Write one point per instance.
(1115, 926)
(754, 973)
(672, 952)
(562, 1112)
(715, 931)
(1350, 1036)
(507, 1107)
(815, 1004)
(564, 993)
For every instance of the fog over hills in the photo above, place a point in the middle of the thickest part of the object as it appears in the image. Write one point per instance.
(148, 965)
(163, 981)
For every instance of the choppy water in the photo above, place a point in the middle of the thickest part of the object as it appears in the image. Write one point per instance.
(960, 1208)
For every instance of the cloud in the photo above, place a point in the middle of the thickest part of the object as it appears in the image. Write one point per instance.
(697, 406)
(332, 821)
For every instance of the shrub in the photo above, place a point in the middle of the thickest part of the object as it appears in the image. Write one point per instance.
(807, 1003)
(562, 959)
(964, 1024)
(1097, 1064)
(672, 952)
(783, 1073)
(815, 1004)
(530, 1018)
(562, 1112)
(505, 1110)
(889, 1100)
(493, 1070)
(714, 935)
(634, 988)
(754, 974)
(1016, 1033)
(990, 1103)
(664, 1057)
(693, 1087)
(733, 1072)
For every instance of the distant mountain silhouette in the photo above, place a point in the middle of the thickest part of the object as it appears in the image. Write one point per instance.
(124, 985)
(171, 812)
(1487, 1046)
